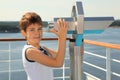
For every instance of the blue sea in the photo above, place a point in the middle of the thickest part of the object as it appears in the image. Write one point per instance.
(10, 60)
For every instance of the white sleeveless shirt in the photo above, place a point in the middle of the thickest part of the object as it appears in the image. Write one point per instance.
(34, 70)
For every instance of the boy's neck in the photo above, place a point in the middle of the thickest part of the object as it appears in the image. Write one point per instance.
(37, 45)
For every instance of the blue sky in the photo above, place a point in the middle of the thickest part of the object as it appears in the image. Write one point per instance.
(12, 10)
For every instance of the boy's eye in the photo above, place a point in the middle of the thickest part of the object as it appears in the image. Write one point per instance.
(39, 28)
(31, 29)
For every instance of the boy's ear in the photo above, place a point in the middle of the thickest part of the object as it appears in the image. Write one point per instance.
(23, 33)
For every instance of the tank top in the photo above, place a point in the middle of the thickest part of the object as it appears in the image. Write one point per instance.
(35, 70)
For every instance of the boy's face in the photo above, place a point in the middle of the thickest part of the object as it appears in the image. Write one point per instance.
(33, 33)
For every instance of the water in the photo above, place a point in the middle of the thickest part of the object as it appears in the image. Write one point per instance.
(110, 35)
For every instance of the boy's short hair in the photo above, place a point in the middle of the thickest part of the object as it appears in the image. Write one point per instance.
(28, 19)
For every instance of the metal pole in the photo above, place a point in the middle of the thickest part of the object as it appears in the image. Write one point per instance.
(76, 60)
(78, 56)
(78, 63)
(71, 51)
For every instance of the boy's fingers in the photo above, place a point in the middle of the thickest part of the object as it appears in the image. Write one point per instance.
(58, 23)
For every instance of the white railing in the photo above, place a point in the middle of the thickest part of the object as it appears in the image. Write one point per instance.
(10, 71)
(108, 58)
(89, 76)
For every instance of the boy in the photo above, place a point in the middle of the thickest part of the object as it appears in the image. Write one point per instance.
(38, 61)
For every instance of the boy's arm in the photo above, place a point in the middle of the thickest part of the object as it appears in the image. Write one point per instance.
(61, 33)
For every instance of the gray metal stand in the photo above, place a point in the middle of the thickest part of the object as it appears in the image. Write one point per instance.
(78, 26)
(76, 58)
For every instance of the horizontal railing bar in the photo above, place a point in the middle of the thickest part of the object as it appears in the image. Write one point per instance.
(23, 39)
(12, 39)
(93, 54)
(115, 60)
(61, 77)
(4, 50)
(94, 66)
(108, 45)
(10, 60)
(62, 68)
(95, 78)
(116, 74)
(4, 61)
(12, 70)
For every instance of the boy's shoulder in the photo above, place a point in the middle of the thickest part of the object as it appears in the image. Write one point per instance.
(28, 46)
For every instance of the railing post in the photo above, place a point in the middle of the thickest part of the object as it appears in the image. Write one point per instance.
(108, 64)
(9, 44)
(63, 71)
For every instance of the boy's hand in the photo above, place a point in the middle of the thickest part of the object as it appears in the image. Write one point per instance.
(62, 29)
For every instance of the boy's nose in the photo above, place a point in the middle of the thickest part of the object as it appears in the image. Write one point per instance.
(36, 31)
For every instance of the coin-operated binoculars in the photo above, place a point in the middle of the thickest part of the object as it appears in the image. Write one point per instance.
(78, 26)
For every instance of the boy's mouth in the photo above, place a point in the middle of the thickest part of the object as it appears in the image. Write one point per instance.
(36, 37)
